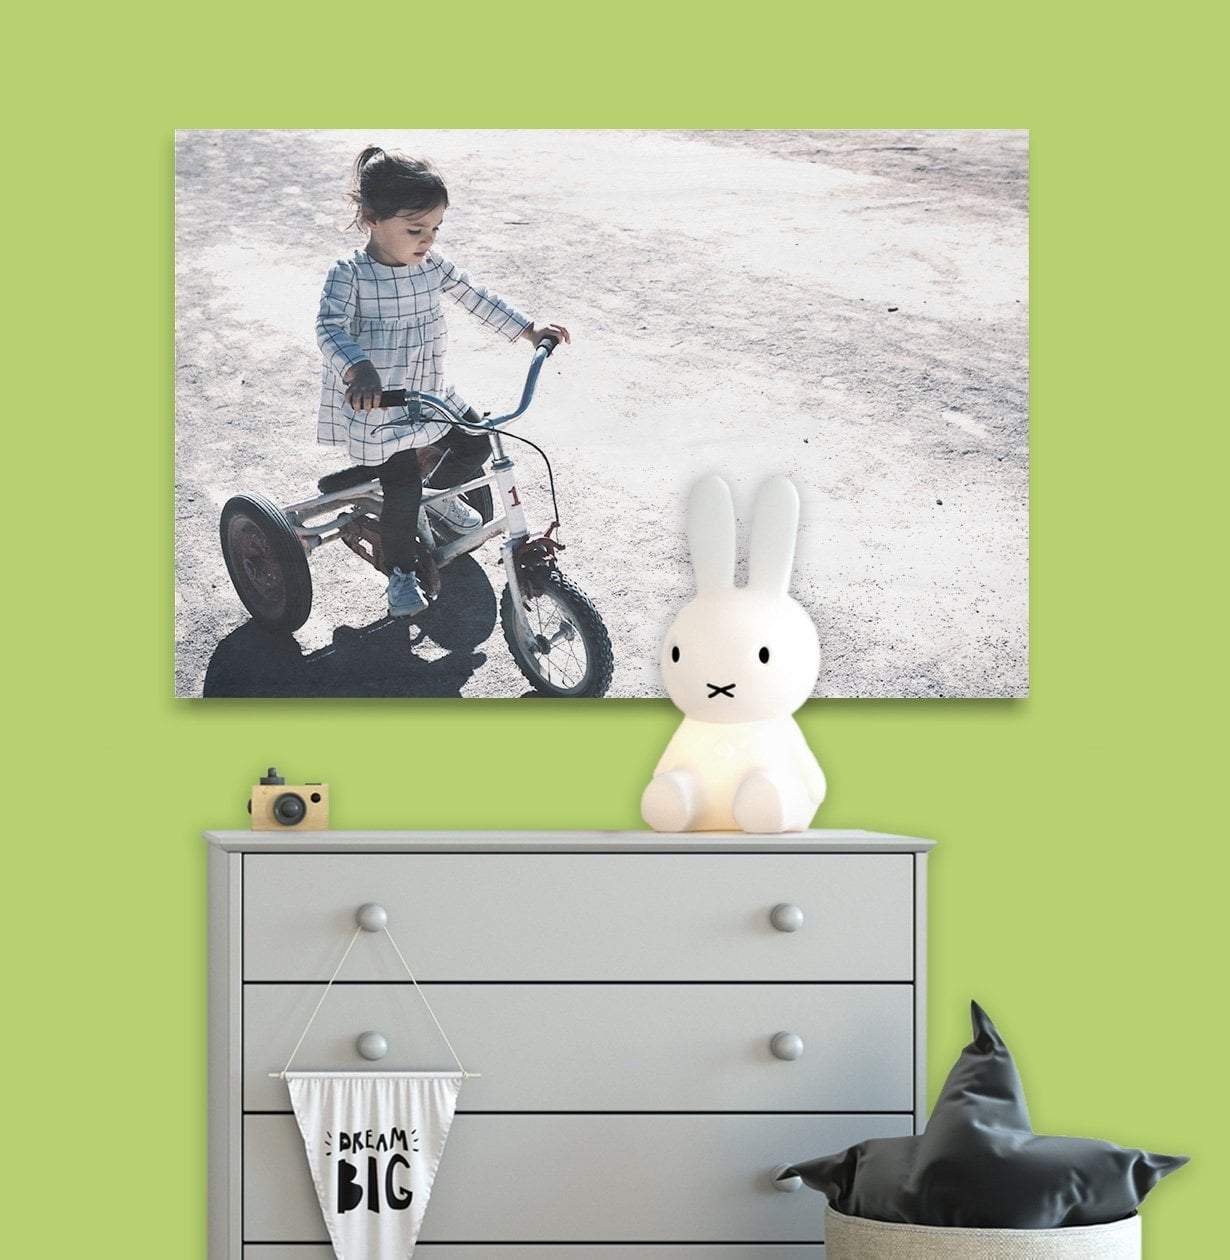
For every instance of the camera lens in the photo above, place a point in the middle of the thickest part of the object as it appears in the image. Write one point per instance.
(289, 809)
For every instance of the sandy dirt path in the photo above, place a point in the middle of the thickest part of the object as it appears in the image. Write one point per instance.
(846, 307)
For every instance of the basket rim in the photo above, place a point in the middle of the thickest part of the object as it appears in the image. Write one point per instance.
(1125, 1225)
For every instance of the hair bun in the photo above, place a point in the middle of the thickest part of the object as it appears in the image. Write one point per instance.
(387, 183)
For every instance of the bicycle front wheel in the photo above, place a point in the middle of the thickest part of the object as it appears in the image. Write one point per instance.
(568, 652)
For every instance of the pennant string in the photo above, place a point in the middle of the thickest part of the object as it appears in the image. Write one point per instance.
(426, 1003)
(337, 971)
(312, 1018)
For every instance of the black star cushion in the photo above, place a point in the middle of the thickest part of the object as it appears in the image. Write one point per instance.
(980, 1165)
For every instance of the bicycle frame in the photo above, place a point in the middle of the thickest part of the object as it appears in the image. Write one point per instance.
(510, 521)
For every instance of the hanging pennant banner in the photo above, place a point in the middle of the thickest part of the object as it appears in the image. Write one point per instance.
(374, 1141)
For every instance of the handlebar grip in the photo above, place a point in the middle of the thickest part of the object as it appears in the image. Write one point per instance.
(548, 343)
(393, 398)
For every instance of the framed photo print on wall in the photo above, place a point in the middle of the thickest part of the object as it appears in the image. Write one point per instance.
(441, 395)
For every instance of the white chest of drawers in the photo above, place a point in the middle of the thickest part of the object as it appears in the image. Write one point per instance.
(622, 995)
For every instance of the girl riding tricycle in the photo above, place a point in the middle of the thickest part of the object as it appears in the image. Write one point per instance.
(383, 396)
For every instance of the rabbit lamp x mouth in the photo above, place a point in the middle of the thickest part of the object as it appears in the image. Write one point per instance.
(742, 763)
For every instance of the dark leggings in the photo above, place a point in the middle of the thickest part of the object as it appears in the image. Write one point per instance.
(402, 485)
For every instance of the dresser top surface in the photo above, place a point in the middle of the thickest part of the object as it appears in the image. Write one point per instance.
(825, 841)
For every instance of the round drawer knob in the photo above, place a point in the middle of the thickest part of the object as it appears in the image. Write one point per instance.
(372, 1045)
(786, 1184)
(786, 918)
(371, 917)
(787, 1045)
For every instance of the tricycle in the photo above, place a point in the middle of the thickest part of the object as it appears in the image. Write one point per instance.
(555, 634)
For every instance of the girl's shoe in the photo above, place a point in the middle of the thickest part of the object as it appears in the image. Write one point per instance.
(456, 513)
(406, 598)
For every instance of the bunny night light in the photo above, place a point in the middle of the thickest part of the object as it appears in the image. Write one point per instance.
(738, 661)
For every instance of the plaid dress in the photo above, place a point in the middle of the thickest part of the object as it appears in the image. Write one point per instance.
(393, 316)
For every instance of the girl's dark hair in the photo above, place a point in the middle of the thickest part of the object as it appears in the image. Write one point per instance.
(387, 183)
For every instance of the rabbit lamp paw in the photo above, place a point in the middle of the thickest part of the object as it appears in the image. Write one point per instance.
(738, 661)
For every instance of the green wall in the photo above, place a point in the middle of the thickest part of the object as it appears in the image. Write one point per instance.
(1080, 884)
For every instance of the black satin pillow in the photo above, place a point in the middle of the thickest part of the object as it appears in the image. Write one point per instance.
(980, 1165)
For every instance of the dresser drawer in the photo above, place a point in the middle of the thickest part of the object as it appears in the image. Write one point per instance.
(590, 1251)
(573, 1178)
(599, 916)
(605, 1047)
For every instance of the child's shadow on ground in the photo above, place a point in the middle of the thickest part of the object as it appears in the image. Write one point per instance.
(375, 660)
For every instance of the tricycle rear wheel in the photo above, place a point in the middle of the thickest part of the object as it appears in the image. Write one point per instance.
(266, 561)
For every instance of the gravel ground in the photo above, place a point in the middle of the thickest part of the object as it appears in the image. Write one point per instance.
(850, 308)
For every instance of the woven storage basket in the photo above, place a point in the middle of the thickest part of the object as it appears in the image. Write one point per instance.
(854, 1238)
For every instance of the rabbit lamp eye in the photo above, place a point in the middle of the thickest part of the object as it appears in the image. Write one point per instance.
(675, 654)
(764, 655)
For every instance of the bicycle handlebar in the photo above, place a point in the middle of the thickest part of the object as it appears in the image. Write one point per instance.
(404, 397)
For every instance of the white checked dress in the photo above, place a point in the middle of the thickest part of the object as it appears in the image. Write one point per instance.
(393, 316)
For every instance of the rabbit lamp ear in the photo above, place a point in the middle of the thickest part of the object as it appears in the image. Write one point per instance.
(775, 528)
(711, 535)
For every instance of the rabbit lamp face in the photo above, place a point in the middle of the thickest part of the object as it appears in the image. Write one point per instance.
(741, 653)
(738, 661)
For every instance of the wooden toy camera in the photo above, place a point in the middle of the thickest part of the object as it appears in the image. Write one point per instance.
(274, 806)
